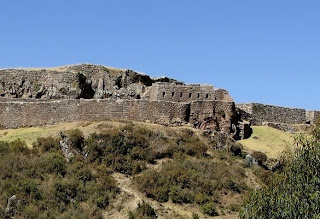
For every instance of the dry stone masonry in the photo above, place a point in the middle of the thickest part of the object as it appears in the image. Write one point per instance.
(276, 116)
(32, 97)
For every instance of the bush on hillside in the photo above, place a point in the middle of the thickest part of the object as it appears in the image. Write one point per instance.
(143, 211)
(76, 138)
(260, 157)
(294, 192)
(48, 186)
(188, 180)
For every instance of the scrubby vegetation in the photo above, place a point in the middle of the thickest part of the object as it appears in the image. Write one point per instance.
(143, 211)
(293, 192)
(189, 180)
(50, 186)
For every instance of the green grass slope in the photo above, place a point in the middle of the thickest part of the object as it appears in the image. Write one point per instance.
(268, 140)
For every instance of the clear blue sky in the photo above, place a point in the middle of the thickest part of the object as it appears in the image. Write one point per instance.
(261, 51)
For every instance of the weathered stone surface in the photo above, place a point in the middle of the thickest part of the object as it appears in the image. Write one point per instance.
(312, 116)
(31, 97)
(66, 146)
(245, 130)
(258, 113)
(249, 160)
(187, 93)
(291, 128)
(12, 207)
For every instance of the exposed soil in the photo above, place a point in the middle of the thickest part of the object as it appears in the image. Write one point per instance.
(129, 198)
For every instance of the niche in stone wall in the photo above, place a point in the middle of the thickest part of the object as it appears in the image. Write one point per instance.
(207, 96)
(163, 94)
(172, 94)
(86, 89)
(190, 95)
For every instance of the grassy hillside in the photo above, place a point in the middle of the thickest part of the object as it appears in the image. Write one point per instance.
(176, 170)
(268, 140)
(30, 134)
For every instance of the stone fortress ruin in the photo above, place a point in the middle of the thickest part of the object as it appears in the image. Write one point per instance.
(85, 92)
(32, 97)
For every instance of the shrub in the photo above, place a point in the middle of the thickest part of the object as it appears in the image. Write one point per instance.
(102, 201)
(76, 138)
(260, 157)
(179, 195)
(144, 210)
(210, 209)
(46, 144)
(236, 149)
(234, 207)
(195, 216)
(19, 146)
(48, 186)
(200, 198)
(186, 180)
(4, 148)
(294, 192)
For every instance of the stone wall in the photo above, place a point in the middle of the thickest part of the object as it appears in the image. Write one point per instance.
(312, 116)
(15, 113)
(18, 113)
(33, 97)
(258, 113)
(217, 115)
(187, 93)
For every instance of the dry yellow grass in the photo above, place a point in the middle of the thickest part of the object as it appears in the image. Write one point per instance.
(30, 135)
(268, 140)
(111, 70)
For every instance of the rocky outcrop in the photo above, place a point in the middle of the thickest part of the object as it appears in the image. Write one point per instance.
(65, 145)
(77, 81)
(250, 160)
(12, 207)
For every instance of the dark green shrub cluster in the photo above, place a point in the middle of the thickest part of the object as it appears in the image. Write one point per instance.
(236, 149)
(143, 211)
(49, 187)
(126, 151)
(189, 180)
(129, 149)
(293, 192)
(210, 209)
(76, 138)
